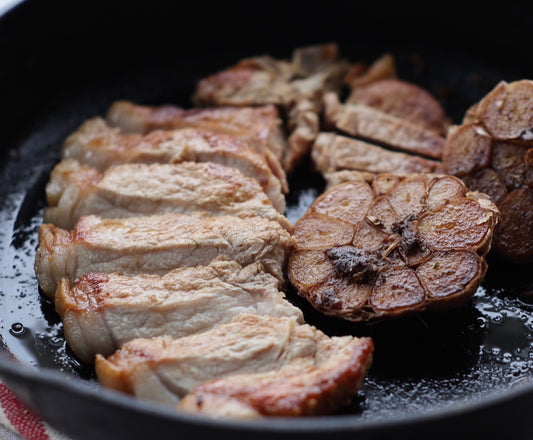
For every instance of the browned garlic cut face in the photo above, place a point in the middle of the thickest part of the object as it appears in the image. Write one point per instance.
(398, 245)
(492, 153)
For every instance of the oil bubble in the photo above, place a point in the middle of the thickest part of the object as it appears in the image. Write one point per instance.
(17, 329)
(55, 341)
(507, 357)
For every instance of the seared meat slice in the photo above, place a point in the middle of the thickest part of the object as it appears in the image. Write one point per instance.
(361, 75)
(491, 152)
(100, 146)
(295, 86)
(388, 126)
(400, 245)
(131, 190)
(265, 80)
(315, 385)
(101, 312)
(260, 126)
(165, 369)
(337, 177)
(374, 125)
(156, 244)
(403, 100)
(253, 81)
(333, 152)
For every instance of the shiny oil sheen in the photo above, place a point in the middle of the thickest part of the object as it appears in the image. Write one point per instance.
(422, 362)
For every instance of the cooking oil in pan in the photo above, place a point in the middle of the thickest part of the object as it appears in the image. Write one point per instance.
(30, 329)
(420, 362)
(434, 360)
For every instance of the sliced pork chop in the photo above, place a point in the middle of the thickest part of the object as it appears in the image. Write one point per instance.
(101, 312)
(337, 177)
(295, 86)
(156, 244)
(130, 190)
(260, 126)
(361, 74)
(100, 146)
(332, 152)
(314, 385)
(404, 100)
(165, 369)
(372, 124)
(264, 80)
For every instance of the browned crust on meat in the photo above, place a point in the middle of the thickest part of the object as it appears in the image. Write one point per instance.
(100, 146)
(367, 123)
(50, 238)
(333, 152)
(295, 86)
(287, 393)
(291, 369)
(82, 295)
(404, 100)
(261, 126)
(382, 68)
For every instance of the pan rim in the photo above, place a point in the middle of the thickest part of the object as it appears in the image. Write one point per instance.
(330, 424)
(352, 422)
(8, 5)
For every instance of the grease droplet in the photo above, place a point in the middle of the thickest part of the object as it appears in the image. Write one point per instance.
(55, 341)
(17, 329)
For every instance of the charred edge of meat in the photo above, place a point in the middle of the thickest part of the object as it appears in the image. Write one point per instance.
(410, 243)
(358, 264)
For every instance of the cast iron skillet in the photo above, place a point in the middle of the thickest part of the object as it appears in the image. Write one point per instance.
(462, 374)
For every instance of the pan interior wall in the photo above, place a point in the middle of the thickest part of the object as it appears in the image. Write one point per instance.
(63, 71)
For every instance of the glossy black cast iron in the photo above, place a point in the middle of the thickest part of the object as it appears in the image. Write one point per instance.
(462, 374)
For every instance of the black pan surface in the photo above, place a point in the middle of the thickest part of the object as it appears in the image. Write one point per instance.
(463, 373)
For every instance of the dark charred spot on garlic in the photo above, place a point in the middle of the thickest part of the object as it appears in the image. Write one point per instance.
(358, 264)
(410, 243)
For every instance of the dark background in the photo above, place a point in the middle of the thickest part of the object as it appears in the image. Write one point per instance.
(64, 61)
(55, 52)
